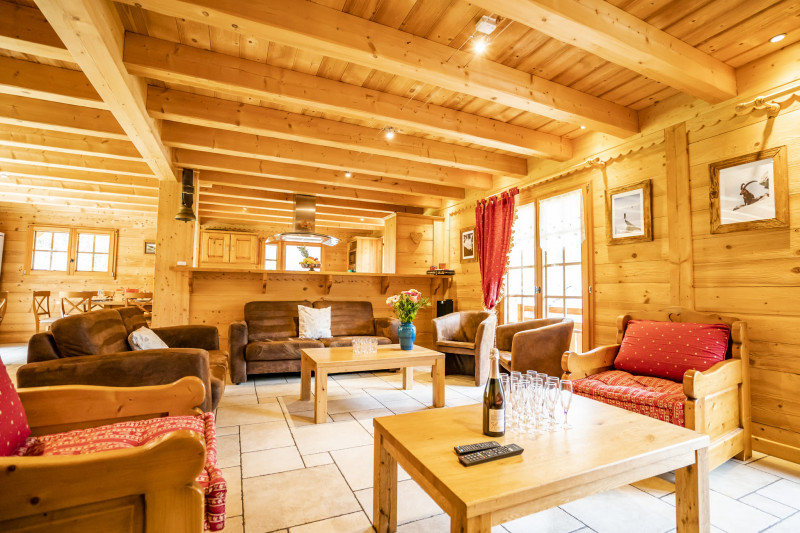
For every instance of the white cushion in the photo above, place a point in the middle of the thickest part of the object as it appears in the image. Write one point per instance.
(314, 323)
(145, 339)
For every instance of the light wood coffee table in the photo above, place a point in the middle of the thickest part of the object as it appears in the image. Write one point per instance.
(607, 448)
(324, 361)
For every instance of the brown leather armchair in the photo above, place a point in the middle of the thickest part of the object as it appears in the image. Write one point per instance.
(466, 337)
(534, 344)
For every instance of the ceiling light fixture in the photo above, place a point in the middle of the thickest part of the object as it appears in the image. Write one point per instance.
(480, 45)
(348, 174)
(778, 38)
(485, 26)
(390, 133)
(583, 127)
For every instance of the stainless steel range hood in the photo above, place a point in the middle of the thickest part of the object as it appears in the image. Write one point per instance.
(305, 210)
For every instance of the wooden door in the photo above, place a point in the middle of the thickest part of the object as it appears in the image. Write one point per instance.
(369, 254)
(214, 247)
(243, 249)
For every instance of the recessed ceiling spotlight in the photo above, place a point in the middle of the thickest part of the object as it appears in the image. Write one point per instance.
(362, 220)
(480, 45)
(348, 174)
(583, 127)
(244, 209)
(390, 133)
(778, 38)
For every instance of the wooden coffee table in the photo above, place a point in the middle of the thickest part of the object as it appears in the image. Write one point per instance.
(607, 448)
(324, 361)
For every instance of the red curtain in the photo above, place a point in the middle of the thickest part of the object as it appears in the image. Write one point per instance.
(494, 218)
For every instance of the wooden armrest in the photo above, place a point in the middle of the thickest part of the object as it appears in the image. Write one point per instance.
(579, 365)
(32, 485)
(723, 375)
(64, 407)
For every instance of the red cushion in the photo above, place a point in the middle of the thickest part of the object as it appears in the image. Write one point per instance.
(137, 433)
(13, 422)
(668, 349)
(657, 398)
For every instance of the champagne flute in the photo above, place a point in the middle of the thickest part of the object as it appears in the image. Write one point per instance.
(566, 400)
(552, 399)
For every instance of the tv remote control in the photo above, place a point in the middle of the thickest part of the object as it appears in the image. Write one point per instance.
(490, 455)
(477, 447)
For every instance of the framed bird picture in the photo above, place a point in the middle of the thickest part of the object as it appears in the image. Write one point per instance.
(628, 213)
(750, 192)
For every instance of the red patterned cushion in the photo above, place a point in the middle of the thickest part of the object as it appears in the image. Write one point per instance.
(668, 349)
(138, 433)
(13, 422)
(657, 398)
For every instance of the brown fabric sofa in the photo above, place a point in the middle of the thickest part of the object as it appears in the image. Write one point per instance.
(466, 337)
(534, 344)
(92, 349)
(267, 341)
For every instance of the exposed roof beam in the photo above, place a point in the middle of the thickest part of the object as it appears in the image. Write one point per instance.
(320, 176)
(164, 60)
(609, 32)
(34, 113)
(333, 33)
(206, 111)
(111, 192)
(74, 162)
(317, 189)
(84, 175)
(207, 198)
(35, 80)
(25, 30)
(281, 215)
(35, 195)
(70, 143)
(211, 217)
(93, 33)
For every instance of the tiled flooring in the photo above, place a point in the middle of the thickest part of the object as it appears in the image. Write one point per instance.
(286, 474)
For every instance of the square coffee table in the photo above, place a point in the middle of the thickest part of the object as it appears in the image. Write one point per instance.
(324, 361)
(607, 447)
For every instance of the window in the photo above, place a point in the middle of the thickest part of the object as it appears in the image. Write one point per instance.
(292, 255)
(71, 251)
(270, 257)
(521, 286)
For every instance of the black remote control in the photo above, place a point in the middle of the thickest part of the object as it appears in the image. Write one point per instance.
(490, 455)
(477, 447)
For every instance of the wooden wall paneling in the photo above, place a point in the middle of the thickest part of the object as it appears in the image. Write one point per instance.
(681, 257)
(390, 244)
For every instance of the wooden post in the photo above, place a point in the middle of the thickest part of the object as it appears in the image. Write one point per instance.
(679, 214)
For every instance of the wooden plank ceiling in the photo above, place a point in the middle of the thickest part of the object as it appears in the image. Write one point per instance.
(99, 100)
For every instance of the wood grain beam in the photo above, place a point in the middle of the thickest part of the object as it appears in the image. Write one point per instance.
(317, 189)
(74, 162)
(34, 196)
(607, 31)
(286, 216)
(25, 30)
(173, 62)
(212, 140)
(96, 189)
(83, 175)
(333, 33)
(35, 80)
(208, 216)
(320, 176)
(231, 191)
(93, 33)
(69, 143)
(207, 198)
(35, 113)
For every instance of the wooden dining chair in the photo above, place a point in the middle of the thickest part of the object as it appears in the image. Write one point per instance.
(101, 294)
(3, 304)
(41, 310)
(142, 300)
(76, 302)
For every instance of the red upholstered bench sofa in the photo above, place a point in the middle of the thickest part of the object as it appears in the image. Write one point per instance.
(679, 366)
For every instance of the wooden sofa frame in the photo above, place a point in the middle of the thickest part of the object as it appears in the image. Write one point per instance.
(717, 400)
(151, 488)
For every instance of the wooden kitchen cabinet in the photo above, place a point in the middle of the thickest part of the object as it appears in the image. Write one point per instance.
(228, 248)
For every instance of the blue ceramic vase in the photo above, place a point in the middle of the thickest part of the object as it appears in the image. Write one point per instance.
(407, 332)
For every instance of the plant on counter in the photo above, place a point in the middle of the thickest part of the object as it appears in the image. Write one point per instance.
(406, 304)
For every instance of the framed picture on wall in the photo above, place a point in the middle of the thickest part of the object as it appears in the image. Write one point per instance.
(149, 247)
(628, 213)
(750, 192)
(469, 250)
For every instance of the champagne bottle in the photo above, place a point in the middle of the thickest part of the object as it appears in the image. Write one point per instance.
(494, 408)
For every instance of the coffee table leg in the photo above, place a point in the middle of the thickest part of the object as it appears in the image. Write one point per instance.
(408, 377)
(691, 496)
(384, 499)
(438, 383)
(475, 524)
(305, 378)
(321, 400)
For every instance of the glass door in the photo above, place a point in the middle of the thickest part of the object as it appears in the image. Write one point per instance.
(522, 288)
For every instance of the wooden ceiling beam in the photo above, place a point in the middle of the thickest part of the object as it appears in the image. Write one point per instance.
(209, 198)
(69, 143)
(83, 175)
(213, 217)
(231, 191)
(34, 195)
(607, 31)
(99, 190)
(93, 33)
(25, 30)
(179, 106)
(74, 162)
(329, 32)
(320, 176)
(287, 216)
(317, 189)
(45, 82)
(173, 62)
(35, 113)
(212, 140)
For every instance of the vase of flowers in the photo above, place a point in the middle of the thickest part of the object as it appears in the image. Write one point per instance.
(406, 305)
(308, 262)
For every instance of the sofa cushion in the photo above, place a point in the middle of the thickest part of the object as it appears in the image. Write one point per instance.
(13, 421)
(350, 318)
(272, 320)
(668, 349)
(132, 317)
(334, 342)
(146, 339)
(658, 398)
(278, 350)
(313, 323)
(95, 333)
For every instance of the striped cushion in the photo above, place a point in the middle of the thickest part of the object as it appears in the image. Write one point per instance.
(654, 397)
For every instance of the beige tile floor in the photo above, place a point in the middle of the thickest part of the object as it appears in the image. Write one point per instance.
(288, 475)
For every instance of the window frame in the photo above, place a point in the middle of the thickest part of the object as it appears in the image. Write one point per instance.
(72, 252)
(282, 254)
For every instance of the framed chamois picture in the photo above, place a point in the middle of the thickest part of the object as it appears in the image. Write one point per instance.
(628, 213)
(750, 192)
(468, 246)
